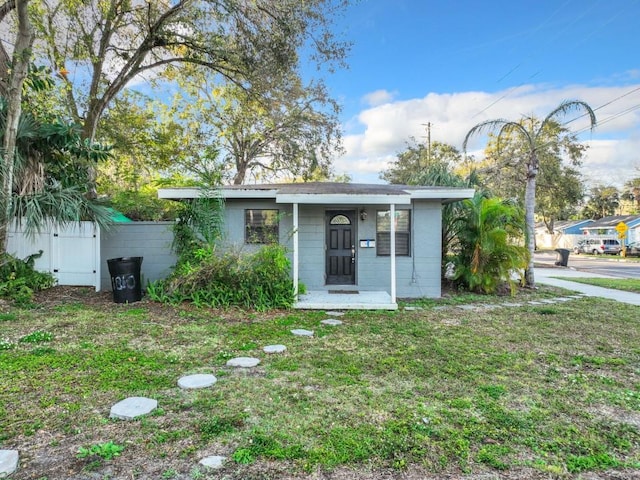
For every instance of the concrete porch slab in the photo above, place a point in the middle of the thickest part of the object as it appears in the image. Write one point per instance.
(326, 300)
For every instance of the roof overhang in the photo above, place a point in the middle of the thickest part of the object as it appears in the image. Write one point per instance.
(342, 199)
(399, 197)
(446, 195)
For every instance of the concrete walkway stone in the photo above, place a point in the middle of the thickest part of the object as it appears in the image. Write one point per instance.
(8, 462)
(214, 461)
(274, 349)
(547, 276)
(335, 314)
(133, 407)
(198, 380)
(301, 332)
(243, 362)
(331, 322)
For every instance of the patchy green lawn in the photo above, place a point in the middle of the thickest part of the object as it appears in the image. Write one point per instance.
(535, 390)
(626, 284)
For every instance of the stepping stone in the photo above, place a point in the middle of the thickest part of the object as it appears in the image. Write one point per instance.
(8, 462)
(533, 302)
(335, 314)
(441, 307)
(451, 322)
(133, 407)
(546, 300)
(511, 304)
(214, 461)
(332, 322)
(274, 349)
(467, 307)
(490, 306)
(301, 332)
(563, 299)
(243, 362)
(199, 380)
(413, 309)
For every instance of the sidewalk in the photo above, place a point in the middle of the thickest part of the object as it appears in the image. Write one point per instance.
(544, 274)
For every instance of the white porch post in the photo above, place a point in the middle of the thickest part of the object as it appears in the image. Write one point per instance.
(295, 251)
(392, 213)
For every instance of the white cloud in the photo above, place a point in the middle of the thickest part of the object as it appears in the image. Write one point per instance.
(382, 131)
(378, 97)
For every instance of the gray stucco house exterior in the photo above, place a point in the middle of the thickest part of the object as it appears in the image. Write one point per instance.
(342, 243)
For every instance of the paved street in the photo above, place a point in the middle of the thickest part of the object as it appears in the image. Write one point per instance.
(609, 265)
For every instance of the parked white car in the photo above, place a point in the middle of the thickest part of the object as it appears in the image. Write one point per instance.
(597, 246)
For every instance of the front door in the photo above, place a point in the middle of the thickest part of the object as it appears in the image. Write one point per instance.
(341, 247)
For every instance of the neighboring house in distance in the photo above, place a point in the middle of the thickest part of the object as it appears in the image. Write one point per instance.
(606, 227)
(341, 238)
(565, 234)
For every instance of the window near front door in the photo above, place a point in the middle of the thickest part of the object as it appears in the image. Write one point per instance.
(261, 226)
(403, 233)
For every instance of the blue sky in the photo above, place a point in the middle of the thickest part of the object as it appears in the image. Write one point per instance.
(457, 63)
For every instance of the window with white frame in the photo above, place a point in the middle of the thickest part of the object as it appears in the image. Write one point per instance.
(403, 233)
(261, 225)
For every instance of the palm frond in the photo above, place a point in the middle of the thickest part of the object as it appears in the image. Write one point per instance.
(569, 106)
(59, 207)
(483, 127)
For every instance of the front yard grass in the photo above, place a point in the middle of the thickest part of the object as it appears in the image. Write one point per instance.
(551, 390)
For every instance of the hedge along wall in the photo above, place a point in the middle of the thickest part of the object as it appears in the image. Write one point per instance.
(150, 240)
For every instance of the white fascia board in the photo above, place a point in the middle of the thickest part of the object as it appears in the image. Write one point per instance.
(240, 194)
(442, 194)
(180, 193)
(342, 199)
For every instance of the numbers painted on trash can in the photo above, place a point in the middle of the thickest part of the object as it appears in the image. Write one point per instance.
(124, 282)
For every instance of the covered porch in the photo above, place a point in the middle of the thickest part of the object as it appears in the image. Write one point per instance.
(336, 299)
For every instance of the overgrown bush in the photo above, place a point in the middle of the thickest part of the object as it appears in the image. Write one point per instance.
(258, 280)
(19, 281)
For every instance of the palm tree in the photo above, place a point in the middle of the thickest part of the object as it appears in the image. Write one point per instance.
(487, 256)
(13, 92)
(48, 175)
(533, 136)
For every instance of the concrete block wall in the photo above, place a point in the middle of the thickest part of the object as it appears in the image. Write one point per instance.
(150, 240)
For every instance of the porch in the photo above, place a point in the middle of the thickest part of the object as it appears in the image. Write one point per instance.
(345, 300)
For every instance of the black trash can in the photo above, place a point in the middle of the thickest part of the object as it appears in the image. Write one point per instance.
(563, 257)
(125, 279)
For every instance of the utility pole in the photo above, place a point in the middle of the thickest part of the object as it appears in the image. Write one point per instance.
(428, 127)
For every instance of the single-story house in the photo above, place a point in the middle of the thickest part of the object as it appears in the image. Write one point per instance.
(351, 245)
(570, 227)
(606, 226)
(563, 227)
(566, 233)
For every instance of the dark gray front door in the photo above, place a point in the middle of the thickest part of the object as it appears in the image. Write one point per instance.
(341, 247)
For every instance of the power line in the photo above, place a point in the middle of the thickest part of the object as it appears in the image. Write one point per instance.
(551, 40)
(604, 105)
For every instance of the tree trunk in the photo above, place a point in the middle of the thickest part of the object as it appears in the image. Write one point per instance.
(241, 171)
(529, 219)
(89, 133)
(4, 56)
(20, 64)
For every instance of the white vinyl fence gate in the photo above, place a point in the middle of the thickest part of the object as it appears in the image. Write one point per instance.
(71, 254)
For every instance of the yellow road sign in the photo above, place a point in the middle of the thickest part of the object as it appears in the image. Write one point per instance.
(622, 228)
